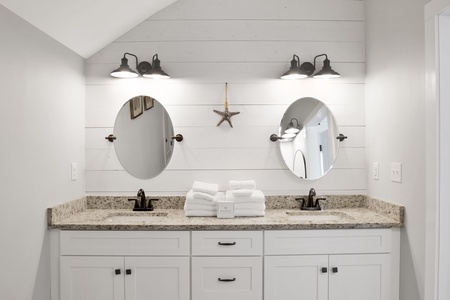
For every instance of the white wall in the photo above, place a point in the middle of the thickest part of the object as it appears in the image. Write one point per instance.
(204, 43)
(395, 122)
(41, 119)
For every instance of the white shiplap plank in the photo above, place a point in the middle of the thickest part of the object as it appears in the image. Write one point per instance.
(231, 52)
(263, 9)
(169, 92)
(270, 181)
(246, 30)
(223, 159)
(250, 115)
(223, 137)
(206, 73)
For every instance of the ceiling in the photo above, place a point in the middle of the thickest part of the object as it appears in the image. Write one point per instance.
(85, 26)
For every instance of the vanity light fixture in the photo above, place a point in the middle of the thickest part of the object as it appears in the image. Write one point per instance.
(297, 71)
(149, 70)
(306, 69)
(291, 128)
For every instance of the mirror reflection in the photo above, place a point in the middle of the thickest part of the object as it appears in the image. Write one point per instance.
(143, 131)
(308, 141)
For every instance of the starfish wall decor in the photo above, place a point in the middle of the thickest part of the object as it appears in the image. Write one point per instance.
(226, 114)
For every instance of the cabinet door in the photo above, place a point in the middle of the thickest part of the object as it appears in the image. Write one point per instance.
(356, 277)
(157, 278)
(296, 277)
(92, 278)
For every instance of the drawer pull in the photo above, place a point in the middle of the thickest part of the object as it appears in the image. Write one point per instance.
(117, 271)
(128, 271)
(334, 269)
(227, 244)
(226, 279)
(324, 270)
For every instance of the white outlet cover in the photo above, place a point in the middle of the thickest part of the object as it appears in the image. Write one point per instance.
(376, 170)
(396, 172)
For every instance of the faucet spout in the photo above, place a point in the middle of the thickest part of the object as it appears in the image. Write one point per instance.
(141, 194)
(311, 195)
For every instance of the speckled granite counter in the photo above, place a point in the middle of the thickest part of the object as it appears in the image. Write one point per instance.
(282, 213)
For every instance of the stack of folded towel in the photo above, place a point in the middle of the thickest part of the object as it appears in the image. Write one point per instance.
(201, 200)
(248, 201)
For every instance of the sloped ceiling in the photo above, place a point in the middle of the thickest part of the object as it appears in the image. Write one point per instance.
(85, 26)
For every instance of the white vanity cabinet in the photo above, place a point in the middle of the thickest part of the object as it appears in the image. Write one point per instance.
(227, 265)
(101, 265)
(331, 264)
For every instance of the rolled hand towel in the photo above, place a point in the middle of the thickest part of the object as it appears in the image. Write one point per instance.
(249, 206)
(242, 184)
(191, 206)
(208, 188)
(249, 213)
(200, 213)
(204, 196)
(242, 193)
(256, 197)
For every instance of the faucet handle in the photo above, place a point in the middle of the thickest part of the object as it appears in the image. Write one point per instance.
(317, 204)
(136, 204)
(150, 204)
(302, 203)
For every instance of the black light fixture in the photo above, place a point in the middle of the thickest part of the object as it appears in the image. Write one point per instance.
(144, 68)
(306, 69)
(326, 72)
(156, 72)
(291, 128)
(124, 71)
(296, 71)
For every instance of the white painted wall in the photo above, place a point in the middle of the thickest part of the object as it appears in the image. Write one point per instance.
(204, 43)
(41, 120)
(395, 122)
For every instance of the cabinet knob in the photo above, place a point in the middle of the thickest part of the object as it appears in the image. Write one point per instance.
(227, 244)
(128, 271)
(334, 270)
(226, 279)
(117, 271)
(324, 270)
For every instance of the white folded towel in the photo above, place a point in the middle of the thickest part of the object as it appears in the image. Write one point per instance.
(190, 199)
(191, 206)
(204, 196)
(200, 213)
(208, 188)
(242, 192)
(249, 213)
(242, 184)
(249, 206)
(256, 197)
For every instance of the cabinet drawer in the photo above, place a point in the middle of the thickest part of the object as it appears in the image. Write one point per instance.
(163, 243)
(292, 242)
(227, 243)
(225, 278)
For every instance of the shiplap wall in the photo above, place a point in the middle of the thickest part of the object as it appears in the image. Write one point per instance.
(204, 43)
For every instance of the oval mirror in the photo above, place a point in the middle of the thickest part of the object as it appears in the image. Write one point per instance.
(308, 141)
(143, 131)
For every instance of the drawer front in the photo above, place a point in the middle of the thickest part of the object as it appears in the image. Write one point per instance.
(294, 242)
(225, 278)
(163, 243)
(227, 243)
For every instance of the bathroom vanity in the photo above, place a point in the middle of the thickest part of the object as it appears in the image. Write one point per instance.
(340, 253)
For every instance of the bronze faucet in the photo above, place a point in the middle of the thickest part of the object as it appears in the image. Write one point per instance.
(309, 204)
(143, 202)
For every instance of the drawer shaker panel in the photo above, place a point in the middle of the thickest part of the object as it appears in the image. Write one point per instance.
(225, 278)
(227, 243)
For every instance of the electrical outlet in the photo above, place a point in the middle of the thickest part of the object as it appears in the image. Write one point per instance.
(376, 170)
(396, 172)
(74, 171)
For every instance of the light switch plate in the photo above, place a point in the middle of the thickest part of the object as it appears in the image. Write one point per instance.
(376, 171)
(396, 172)
(74, 171)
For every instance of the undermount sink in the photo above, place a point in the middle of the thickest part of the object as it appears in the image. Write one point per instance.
(317, 216)
(137, 217)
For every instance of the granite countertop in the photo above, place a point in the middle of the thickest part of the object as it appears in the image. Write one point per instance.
(282, 213)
